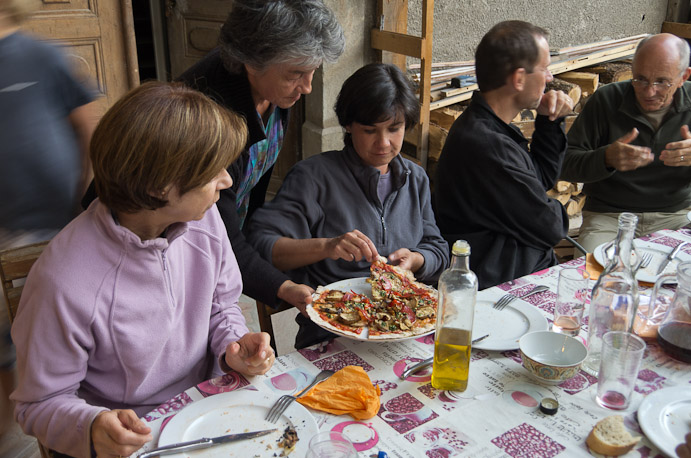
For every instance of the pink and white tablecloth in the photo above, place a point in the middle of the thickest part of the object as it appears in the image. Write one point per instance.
(496, 416)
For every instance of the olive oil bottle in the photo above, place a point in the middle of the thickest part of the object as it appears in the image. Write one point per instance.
(457, 293)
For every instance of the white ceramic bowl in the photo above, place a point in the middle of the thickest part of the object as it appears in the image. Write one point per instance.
(551, 358)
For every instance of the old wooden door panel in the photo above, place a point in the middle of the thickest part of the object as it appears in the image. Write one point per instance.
(193, 28)
(98, 37)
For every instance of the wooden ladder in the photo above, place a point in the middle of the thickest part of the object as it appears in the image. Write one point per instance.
(392, 36)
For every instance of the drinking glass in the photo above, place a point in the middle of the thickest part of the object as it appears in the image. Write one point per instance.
(331, 444)
(622, 353)
(572, 291)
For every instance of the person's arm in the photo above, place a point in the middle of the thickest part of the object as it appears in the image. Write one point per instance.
(52, 362)
(548, 143)
(260, 279)
(514, 200)
(118, 433)
(593, 152)
(226, 323)
(289, 253)
(431, 255)
(83, 120)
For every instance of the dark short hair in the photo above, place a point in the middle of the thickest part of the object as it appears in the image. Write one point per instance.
(508, 46)
(157, 135)
(375, 93)
(261, 33)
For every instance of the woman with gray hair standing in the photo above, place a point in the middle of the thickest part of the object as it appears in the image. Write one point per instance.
(267, 56)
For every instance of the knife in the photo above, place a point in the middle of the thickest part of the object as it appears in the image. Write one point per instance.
(669, 257)
(204, 442)
(428, 362)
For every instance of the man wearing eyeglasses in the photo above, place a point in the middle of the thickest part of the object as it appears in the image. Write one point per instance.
(631, 145)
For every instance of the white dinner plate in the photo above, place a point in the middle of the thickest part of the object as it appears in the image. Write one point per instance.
(238, 411)
(360, 286)
(665, 417)
(659, 252)
(505, 327)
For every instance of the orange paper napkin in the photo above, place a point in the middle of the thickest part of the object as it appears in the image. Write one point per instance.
(594, 269)
(592, 266)
(348, 391)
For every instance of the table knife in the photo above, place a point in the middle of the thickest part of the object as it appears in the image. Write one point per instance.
(669, 257)
(204, 442)
(427, 362)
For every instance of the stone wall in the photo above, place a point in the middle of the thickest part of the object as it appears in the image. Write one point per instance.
(458, 27)
(460, 24)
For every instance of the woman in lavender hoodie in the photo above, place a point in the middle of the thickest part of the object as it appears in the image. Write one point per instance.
(136, 299)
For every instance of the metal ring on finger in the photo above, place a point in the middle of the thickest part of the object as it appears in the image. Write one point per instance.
(681, 159)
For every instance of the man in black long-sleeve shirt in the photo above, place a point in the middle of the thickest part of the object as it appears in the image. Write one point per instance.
(491, 182)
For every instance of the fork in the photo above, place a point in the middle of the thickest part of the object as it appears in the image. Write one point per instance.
(284, 401)
(645, 260)
(506, 299)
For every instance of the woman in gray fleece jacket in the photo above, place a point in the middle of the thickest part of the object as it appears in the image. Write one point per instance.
(337, 211)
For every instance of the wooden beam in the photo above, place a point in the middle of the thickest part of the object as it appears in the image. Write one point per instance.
(677, 28)
(400, 43)
(393, 16)
(425, 79)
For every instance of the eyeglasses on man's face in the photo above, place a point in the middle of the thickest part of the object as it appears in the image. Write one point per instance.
(657, 85)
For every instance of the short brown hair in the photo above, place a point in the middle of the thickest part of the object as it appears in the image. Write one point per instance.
(157, 135)
(508, 46)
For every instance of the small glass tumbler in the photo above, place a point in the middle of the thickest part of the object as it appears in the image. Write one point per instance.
(572, 291)
(622, 353)
(331, 444)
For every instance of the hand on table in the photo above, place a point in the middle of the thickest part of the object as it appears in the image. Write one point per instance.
(622, 156)
(352, 246)
(684, 450)
(118, 433)
(678, 154)
(296, 295)
(406, 259)
(555, 104)
(251, 354)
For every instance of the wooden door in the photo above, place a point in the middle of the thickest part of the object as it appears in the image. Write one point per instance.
(98, 37)
(193, 30)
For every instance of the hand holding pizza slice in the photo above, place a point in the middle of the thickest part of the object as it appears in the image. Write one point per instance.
(400, 306)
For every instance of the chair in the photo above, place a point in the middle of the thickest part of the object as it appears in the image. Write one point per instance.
(577, 245)
(15, 264)
(567, 249)
(264, 313)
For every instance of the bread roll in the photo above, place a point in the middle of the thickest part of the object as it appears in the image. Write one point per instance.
(610, 437)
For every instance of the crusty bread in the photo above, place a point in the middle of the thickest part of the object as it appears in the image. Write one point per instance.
(610, 437)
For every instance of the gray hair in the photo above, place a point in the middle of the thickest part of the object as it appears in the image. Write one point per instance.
(261, 33)
(682, 49)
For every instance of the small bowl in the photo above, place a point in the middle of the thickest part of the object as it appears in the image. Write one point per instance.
(551, 358)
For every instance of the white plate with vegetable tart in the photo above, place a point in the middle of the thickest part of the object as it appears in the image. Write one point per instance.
(389, 305)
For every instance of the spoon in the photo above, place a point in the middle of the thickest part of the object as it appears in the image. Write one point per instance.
(427, 362)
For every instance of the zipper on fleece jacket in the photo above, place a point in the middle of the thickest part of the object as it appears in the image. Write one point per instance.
(168, 281)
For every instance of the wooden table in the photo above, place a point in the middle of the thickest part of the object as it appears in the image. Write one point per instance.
(496, 416)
